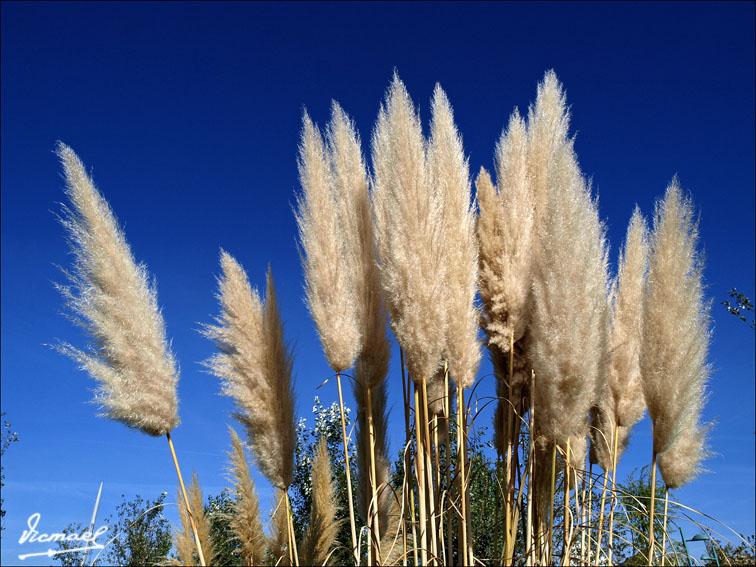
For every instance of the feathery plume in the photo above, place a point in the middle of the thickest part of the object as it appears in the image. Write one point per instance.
(184, 539)
(548, 124)
(623, 376)
(676, 327)
(255, 366)
(323, 527)
(448, 173)
(568, 328)
(113, 299)
(681, 463)
(245, 522)
(408, 215)
(329, 264)
(505, 233)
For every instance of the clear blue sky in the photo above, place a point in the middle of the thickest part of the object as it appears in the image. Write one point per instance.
(189, 114)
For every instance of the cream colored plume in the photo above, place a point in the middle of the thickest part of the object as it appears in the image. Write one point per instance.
(682, 461)
(676, 326)
(625, 333)
(255, 366)
(448, 173)
(245, 521)
(568, 327)
(323, 528)
(113, 299)
(505, 234)
(330, 265)
(548, 124)
(408, 216)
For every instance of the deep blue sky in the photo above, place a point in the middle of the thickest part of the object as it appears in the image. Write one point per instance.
(189, 114)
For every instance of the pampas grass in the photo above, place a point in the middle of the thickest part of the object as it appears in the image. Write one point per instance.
(323, 528)
(676, 333)
(567, 340)
(254, 366)
(113, 299)
(623, 378)
(329, 264)
(448, 172)
(245, 521)
(505, 233)
(408, 221)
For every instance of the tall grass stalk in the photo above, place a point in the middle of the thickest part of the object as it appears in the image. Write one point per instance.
(664, 526)
(651, 513)
(615, 456)
(567, 510)
(420, 476)
(347, 471)
(188, 508)
(462, 553)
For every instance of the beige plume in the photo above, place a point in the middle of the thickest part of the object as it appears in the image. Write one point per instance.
(505, 233)
(113, 299)
(408, 216)
(676, 326)
(568, 328)
(624, 378)
(255, 366)
(245, 522)
(184, 540)
(448, 173)
(330, 266)
(323, 528)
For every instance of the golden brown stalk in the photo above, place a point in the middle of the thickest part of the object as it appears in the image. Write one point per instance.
(279, 543)
(567, 510)
(323, 526)
(245, 522)
(652, 509)
(347, 470)
(461, 458)
(664, 526)
(421, 477)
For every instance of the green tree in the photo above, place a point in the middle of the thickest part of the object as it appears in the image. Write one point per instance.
(739, 307)
(139, 534)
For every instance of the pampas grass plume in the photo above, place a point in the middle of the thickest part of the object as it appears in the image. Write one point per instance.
(568, 327)
(255, 366)
(408, 217)
(329, 264)
(245, 521)
(676, 327)
(623, 377)
(113, 299)
(323, 527)
(505, 233)
(184, 539)
(449, 174)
